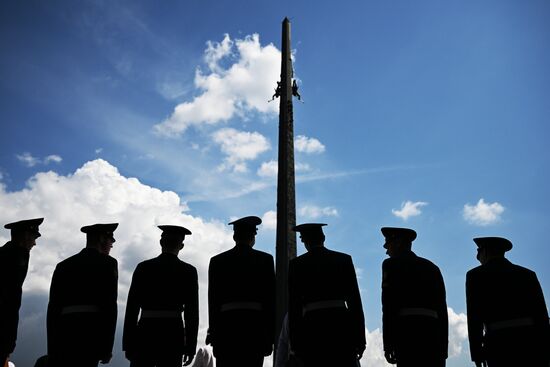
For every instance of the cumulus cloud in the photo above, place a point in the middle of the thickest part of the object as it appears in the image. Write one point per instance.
(458, 332)
(271, 168)
(269, 220)
(314, 212)
(30, 161)
(482, 214)
(240, 88)
(409, 209)
(303, 144)
(239, 147)
(97, 192)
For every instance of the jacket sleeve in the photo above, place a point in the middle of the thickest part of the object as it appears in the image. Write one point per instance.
(356, 308)
(388, 309)
(131, 314)
(191, 315)
(295, 320)
(110, 306)
(475, 322)
(269, 304)
(443, 315)
(213, 304)
(540, 313)
(53, 314)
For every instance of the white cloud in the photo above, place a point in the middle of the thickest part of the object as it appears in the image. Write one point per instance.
(239, 147)
(271, 168)
(314, 212)
(458, 332)
(482, 214)
(239, 89)
(53, 158)
(30, 161)
(98, 150)
(304, 144)
(269, 220)
(97, 192)
(409, 209)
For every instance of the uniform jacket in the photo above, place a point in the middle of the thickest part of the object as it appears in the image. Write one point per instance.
(14, 262)
(82, 310)
(498, 293)
(164, 283)
(237, 276)
(414, 308)
(318, 276)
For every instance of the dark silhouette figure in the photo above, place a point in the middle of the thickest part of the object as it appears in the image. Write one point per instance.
(326, 321)
(82, 310)
(241, 300)
(14, 263)
(295, 90)
(414, 308)
(42, 362)
(162, 288)
(507, 315)
(278, 92)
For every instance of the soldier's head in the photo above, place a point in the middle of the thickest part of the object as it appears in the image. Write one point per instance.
(398, 240)
(100, 236)
(25, 232)
(172, 238)
(244, 230)
(489, 248)
(311, 234)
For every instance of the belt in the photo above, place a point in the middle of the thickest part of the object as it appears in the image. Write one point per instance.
(79, 309)
(160, 314)
(322, 305)
(506, 324)
(232, 306)
(418, 311)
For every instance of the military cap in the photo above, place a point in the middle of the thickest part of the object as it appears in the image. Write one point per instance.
(309, 227)
(100, 228)
(174, 229)
(396, 232)
(246, 222)
(494, 242)
(30, 225)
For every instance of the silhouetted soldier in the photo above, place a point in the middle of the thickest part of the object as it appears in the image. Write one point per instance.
(82, 310)
(507, 315)
(241, 300)
(414, 309)
(162, 288)
(326, 321)
(14, 263)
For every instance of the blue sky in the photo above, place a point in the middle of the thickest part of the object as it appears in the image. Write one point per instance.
(441, 105)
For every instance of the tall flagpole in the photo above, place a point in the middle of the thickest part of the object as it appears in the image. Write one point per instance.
(286, 201)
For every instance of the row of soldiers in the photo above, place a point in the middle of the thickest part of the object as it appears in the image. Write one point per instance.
(507, 315)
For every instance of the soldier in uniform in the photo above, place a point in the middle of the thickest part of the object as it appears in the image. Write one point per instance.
(326, 321)
(507, 315)
(414, 308)
(14, 263)
(82, 309)
(162, 288)
(241, 299)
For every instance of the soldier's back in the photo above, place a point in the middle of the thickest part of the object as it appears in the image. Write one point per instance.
(163, 288)
(510, 304)
(241, 295)
(325, 307)
(82, 308)
(414, 305)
